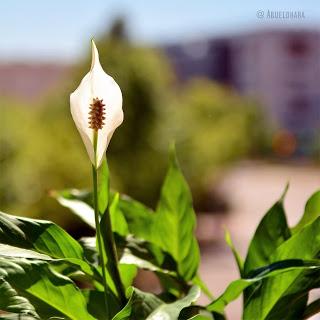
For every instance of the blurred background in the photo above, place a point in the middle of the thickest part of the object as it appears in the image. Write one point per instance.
(235, 85)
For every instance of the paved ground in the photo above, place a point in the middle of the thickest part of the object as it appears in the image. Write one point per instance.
(251, 189)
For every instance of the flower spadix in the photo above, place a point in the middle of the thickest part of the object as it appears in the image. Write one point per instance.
(96, 108)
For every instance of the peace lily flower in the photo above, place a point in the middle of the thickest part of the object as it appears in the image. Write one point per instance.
(96, 108)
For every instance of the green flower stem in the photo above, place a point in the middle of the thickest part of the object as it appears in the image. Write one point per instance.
(100, 248)
(109, 243)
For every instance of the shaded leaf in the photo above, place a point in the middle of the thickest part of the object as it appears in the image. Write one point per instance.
(11, 302)
(96, 304)
(139, 306)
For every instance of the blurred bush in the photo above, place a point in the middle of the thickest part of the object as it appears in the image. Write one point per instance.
(41, 149)
(212, 127)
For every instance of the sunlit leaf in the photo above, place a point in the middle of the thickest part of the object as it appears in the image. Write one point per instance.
(285, 296)
(311, 212)
(119, 224)
(38, 280)
(40, 235)
(43, 237)
(235, 253)
(176, 220)
(236, 287)
(271, 232)
(68, 199)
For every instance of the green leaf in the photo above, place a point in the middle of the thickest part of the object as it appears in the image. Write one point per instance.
(96, 305)
(119, 223)
(288, 291)
(199, 282)
(128, 258)
(172, 310)
(13, 303)
(274, 271)
(127, 273)
(311, 212)
(175, 222)
(272, 231)
(40, 235)
(199, 317)
(38, 280)
(140, 218)
(44, 237)
(139, 306)
(78, 203)
(236, 255)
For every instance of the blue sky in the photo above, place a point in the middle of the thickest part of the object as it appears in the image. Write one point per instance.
(61, 30)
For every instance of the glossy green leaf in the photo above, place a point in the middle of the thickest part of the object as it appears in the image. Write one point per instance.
(172, 310)
(235, 288)
(272, 231)
(43, 237)
(40, 235)
(140, 218)
(118, 221)
(77, 202)
(129, 258)
(175, 222)
(311, 212)
(38, 280)
(285, 297)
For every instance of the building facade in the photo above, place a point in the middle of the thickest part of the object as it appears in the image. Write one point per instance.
(279, 68)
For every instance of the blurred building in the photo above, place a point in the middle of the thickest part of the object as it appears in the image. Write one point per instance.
(280, 68)
(30, 81)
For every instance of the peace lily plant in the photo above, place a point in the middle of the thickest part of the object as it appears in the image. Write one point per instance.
(47, 274)
(96, 108)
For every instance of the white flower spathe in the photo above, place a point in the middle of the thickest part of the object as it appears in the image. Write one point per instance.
(96, 86)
